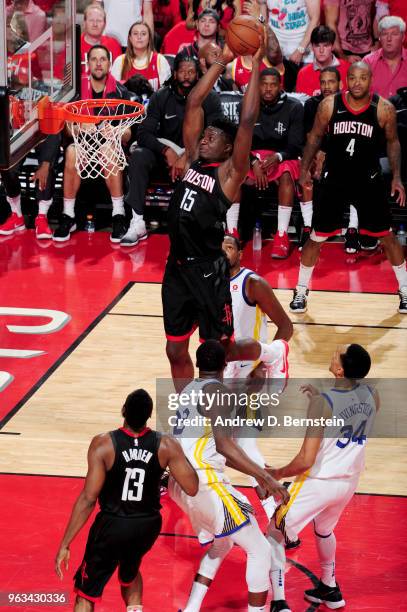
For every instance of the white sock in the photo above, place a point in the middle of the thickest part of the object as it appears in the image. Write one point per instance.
(256, 608)
(304, 276)
(401, 274)
(277, 581)
(306, 211)
(232, 217)
(43, 206)
(136, 217)
(326, 551)
(283, 219)
(15, 204)
(69, 207)
(118, 206)
(269, 506)
(353, 217)
(196, 597)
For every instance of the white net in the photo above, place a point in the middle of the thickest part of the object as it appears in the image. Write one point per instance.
(99, 150)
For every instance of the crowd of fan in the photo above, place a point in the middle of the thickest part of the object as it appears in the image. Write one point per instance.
(158, 59)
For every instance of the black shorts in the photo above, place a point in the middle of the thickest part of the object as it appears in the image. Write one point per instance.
(113, 542)
(333, 196)
(197, 294)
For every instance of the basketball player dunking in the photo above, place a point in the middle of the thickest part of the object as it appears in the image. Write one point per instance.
(195, 287)
(356, 124)
(327, 467)
(124, 472)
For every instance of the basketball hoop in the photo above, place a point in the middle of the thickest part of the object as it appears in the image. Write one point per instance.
(97, 127)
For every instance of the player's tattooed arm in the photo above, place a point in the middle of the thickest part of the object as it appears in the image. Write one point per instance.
(388, 120)
(315, 136)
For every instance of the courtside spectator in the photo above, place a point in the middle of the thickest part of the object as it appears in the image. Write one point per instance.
(120, 14)
(166, 15)
(278, 139)
(389, 63)
(98, 84)
(207, 31)
(44, 179)
(396, 8)
(140, 58)
(93, 27)
(292, 21)
(160, 138)
(400, 102)
(352, 21)
(322, 42)
(226, 11)
(34, 17)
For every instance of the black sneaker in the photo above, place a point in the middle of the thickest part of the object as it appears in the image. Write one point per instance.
(368, 243)
(305, 234)
(403, 300)
(352, 240)
(330, 596)
(280, 605)
(119, 228)
(66, 226)
(292, 545)
(299, 302)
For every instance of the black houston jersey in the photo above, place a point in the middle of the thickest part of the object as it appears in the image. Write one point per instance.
(132, 485)
(197, 214)
(354, 140)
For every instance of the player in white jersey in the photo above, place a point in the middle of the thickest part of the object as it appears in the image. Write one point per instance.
(253, 300)
(327, 467)
(220, 515)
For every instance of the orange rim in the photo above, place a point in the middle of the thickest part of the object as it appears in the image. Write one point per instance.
(72, 110)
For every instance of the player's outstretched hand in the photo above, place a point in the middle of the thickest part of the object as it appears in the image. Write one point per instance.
(397, 187)
(309, 390)
(62, 558)
(273, 488)
(227, 55)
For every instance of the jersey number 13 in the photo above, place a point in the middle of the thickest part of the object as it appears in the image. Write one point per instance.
(133, 484)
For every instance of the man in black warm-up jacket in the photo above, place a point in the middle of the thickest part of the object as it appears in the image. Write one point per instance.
(160, 139)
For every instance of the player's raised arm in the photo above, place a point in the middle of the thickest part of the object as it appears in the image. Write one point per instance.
(315, 136)
(387, 118)
(194, 114)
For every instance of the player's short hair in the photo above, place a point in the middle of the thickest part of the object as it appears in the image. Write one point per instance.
(211, 356)
(186, 55)
(361, 65)
(100, 47)
(391, 21)
(226, 126)
(322, 34)
(236, 240)
(332, 69)
(271, 72)
(137, 408)
(356, 362)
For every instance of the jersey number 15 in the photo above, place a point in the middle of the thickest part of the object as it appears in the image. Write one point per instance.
(188, 200)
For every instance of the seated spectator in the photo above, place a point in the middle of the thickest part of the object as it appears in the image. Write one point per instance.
(120, 14)
(160, 139)
(98, 84)
(322, 42)
(226, 11)
(140, 58)
(177, 38)
(292, 22)
(93, 27)
(240, 69)
(208, 54)
(166, 15)
(44, 178)
(396, 8)
(35, 18)
(400, 102)
(389, 63)
(207, 31)
(352, 21)
(278, 138)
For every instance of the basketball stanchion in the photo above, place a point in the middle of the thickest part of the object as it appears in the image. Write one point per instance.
(97, 127)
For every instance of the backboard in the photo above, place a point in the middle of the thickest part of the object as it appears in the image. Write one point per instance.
(37, 59)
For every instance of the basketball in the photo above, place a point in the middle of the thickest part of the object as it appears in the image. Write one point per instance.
(242, 35)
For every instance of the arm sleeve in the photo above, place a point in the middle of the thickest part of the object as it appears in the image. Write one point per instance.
(295, 140)
(147, 132)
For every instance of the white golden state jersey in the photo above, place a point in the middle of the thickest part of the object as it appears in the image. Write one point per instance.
(199, 449)
(248, 318)
(343, 455)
